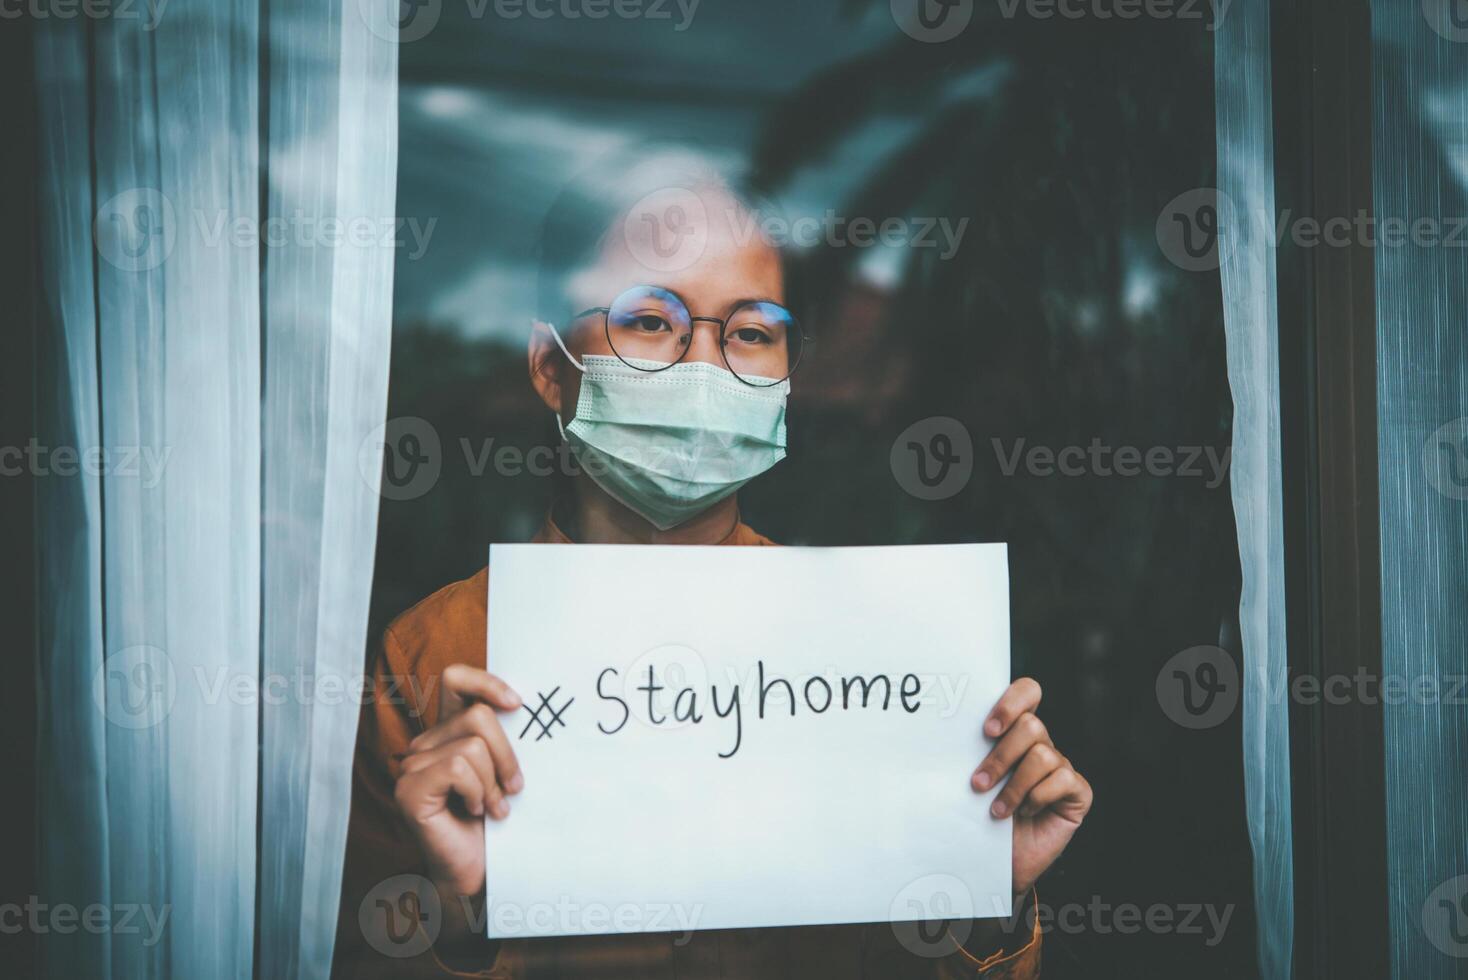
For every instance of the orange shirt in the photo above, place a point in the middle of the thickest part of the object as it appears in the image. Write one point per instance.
(449, 627)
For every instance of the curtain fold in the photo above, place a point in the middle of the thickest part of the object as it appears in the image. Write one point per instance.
(214, 372)
(1245, 209)
(72, 798)
(332, 164)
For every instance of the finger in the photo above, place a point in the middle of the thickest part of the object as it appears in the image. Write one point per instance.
(472, 749)
(462, 685)
(1065, 791)
(426, 793)
(1022, 696)
(480, 721)
(1039, 762)
(1025, 733)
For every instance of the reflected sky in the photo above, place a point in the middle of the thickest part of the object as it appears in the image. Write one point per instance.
(496, 114)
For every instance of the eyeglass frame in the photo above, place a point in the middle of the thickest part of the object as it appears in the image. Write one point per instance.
(723, 323)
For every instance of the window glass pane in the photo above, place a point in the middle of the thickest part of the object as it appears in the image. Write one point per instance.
(1013, 342)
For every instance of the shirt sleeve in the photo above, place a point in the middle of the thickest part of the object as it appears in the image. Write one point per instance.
(380, 847)
(1006, 963)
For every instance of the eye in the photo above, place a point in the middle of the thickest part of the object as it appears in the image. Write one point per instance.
(647, 323)
(748, 334)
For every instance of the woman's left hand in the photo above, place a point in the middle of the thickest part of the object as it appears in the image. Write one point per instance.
(1047, 797)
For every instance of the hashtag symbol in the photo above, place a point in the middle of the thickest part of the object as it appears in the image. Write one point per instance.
(553, 715)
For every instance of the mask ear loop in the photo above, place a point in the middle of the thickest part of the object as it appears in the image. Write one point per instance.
(556, 336)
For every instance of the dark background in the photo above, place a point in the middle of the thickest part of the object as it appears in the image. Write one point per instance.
(1058, 321)
(18, 587)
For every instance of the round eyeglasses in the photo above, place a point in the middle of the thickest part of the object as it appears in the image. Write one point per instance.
(760, 341)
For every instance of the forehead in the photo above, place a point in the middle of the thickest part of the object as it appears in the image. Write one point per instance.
(703, 244)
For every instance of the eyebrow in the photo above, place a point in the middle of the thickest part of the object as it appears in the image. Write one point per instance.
(748, 300)
(728, 308)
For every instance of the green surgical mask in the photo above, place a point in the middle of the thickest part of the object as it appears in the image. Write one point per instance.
(670, 443)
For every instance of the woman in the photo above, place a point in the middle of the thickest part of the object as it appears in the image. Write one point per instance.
(664, 351)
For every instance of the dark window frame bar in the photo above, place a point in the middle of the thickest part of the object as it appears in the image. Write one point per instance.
(20, 286)
(1322, 59)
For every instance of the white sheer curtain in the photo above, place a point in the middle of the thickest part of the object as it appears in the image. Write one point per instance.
(1420, 181)
(218, 370)
(1247, 268)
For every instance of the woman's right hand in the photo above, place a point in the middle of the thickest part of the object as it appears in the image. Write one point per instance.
(457, 772)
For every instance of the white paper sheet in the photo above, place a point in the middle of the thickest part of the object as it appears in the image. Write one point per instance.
(635, 818)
